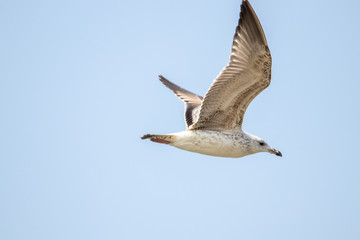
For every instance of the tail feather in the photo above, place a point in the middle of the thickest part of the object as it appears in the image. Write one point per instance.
(146, 136)
(166, 139)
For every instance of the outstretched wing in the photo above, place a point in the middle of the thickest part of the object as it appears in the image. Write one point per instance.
(191, 100)
(246, 75)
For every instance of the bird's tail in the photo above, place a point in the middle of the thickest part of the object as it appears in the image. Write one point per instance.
(166, 139)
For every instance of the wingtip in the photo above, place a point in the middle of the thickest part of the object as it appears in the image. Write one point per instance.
(247, 9)
(246, 3)
(162, 78)
(165, 81)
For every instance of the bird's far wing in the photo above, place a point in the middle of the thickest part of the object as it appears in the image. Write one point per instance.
(191, 100)
(245, 76)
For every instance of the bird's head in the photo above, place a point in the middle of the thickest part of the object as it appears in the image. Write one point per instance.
(259, 145)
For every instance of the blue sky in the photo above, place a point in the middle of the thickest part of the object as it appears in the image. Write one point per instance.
(79, 87)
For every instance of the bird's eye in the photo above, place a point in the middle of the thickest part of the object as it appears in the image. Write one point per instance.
(261, 143)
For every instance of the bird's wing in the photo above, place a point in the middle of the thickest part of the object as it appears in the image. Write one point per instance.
(245, 76)
(191, 100)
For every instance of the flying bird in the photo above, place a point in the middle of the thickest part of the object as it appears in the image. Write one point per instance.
(214, 122)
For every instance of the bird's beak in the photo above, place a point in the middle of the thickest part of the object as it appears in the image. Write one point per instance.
(276, 152)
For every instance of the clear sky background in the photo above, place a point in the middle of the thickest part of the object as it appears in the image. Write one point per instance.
(79, 87)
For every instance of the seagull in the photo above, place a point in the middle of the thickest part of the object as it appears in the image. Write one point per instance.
(214, 122)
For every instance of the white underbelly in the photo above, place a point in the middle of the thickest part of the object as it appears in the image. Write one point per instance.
(210, 143)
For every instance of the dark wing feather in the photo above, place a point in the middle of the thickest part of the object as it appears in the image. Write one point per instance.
(191, 100)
